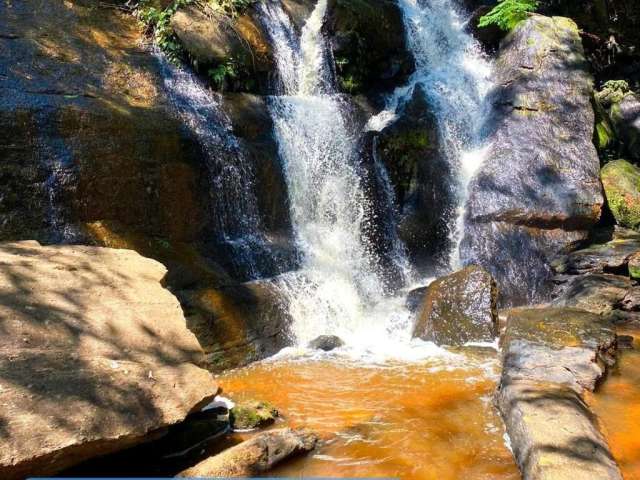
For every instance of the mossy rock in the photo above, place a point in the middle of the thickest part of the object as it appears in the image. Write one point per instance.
(621, 181)
(252, 414)
(634, 266)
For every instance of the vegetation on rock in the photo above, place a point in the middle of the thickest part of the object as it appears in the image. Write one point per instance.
(509, 13)
(252, 414)
(621, 181)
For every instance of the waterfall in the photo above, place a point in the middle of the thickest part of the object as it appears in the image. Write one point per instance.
(455, 74)
(341, 287)
(236, 221)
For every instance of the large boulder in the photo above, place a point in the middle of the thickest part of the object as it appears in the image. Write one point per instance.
(459, 308)
(621, 181)
(551, 356)
(538, 191)
(96, 356)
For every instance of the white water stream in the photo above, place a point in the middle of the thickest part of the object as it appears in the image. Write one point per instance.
(340, 288)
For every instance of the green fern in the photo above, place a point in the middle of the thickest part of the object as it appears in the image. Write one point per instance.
(509, 13)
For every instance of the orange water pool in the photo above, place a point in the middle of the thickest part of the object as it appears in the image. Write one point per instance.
(429, 420)
(617, 404)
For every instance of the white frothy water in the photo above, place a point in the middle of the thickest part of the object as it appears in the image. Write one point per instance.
(455, 74)
(340, 288)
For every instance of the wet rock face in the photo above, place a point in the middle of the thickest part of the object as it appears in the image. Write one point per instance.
(97, 356)
(538, 191)
(550, 357)
(596, 293)
(621, 181)
(459, 308)
(93, 137)
(421, 177)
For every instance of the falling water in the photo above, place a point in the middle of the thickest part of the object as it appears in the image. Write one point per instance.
(455, 74)
(341, 288)
(237, 221)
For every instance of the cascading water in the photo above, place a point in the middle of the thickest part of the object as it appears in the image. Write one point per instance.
(341, 287)
(237, 221)
(455, 75)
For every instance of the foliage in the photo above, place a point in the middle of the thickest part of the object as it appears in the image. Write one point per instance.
(231, 8)
(509, 13)
(219, 75)
(158, 23)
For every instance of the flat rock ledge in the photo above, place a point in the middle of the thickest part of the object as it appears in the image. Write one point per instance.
(551, 356)
(95, 356)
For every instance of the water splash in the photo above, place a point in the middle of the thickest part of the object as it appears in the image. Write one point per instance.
(455, 74)
(341, 287)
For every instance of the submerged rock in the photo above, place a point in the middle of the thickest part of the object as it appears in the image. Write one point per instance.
(254, 456)
(550, 357)
(621, 181)
(538, 191)
(459, 308)
(326, 343)
(96, 356)
(252, 414)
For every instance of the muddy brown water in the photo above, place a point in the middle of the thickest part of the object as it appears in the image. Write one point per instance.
(430, 420)
(617, 405)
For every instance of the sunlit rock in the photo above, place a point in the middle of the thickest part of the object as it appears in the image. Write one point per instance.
(459, 308)
(96, 356)
(551, 356)
(621, 181)
(538, 191)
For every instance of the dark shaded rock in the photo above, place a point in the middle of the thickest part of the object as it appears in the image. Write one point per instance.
(252, 414)
(490, 36)
(610, 257)
(415, 299)
(625, 116)
(459, 308)
(596, 293)
(538, 192)
(326, 343)
(421, 177)
(625, 342)
(550, 357)
(78, 380)
(237, 324)
(369, 45)
(256, 455)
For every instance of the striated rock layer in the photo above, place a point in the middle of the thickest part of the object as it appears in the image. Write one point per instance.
(95, 356)
(538, 191)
